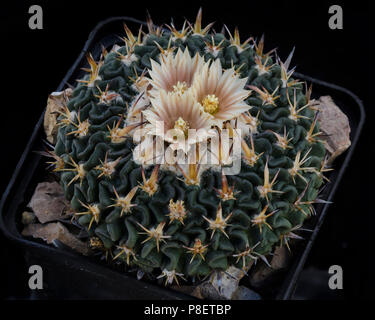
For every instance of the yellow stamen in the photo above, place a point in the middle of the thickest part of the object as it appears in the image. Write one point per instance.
(180, 87)
(211, 104)
(182, 125)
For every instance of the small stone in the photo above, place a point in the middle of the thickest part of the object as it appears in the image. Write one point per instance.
(56, 231)
(208, 291)
(48, 202)
(244, 293)
(221, 285)
(197, 293)
(334, 125)
(280, 260)
(55, 104)
(226, 283)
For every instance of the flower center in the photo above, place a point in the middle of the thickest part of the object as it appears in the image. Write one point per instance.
(182, 125)
(180, 87)
(211, 104)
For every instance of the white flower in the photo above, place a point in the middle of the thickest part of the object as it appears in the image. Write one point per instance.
(173, 117)
(174, 73)
(220, 94)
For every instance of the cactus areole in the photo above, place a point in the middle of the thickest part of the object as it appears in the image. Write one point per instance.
(144, 107)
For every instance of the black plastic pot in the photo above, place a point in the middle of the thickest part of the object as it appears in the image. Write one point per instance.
(70, 275)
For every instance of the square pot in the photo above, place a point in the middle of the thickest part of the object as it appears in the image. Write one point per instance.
(70, 275)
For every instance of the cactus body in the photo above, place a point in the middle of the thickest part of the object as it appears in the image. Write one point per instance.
(154, 217)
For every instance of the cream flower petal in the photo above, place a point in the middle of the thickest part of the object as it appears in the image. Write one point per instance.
(221, 94)
(178, 114)
(172, 71)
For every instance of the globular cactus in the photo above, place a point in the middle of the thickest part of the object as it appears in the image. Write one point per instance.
(186, 220)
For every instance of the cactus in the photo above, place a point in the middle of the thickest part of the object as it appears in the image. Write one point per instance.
(183, 221)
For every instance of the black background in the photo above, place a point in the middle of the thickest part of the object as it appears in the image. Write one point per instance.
(33, 63)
